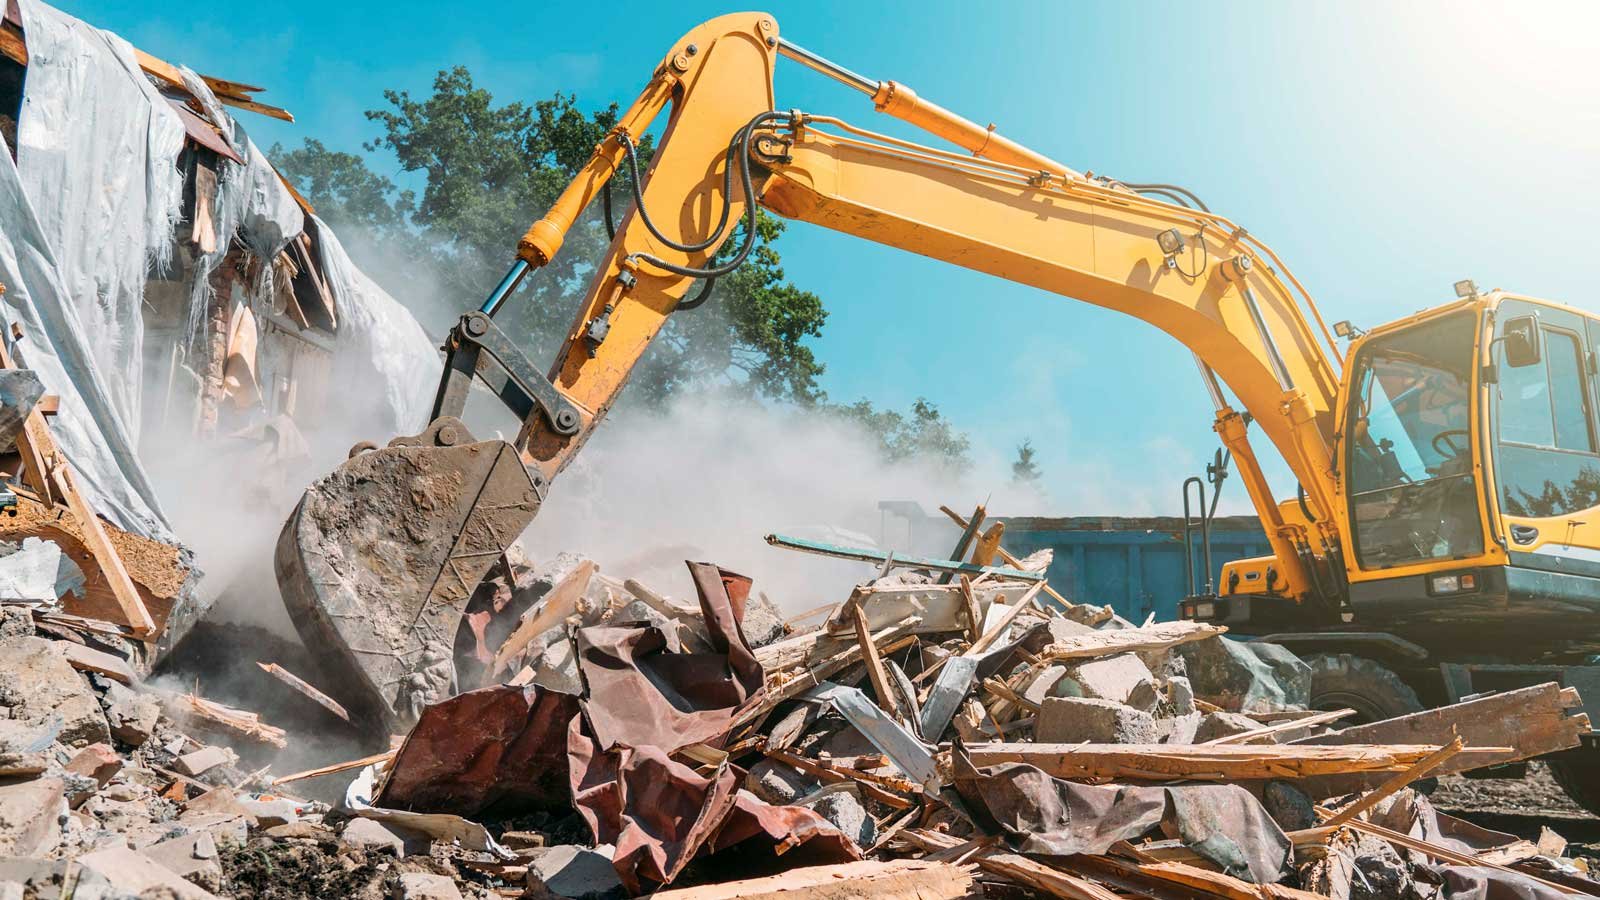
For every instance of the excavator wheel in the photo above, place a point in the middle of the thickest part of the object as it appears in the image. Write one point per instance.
(1346, 681)
(380, 557)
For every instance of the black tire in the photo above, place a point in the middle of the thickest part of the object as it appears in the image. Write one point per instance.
(1578, 773)
(1346, 681)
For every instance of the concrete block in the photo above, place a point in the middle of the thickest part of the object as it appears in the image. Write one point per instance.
(778, 783)
(25, 747)
(135, 873)
(97, 761)
(1222, 724)
(1073, 720)
(763, 621)
(1180, 729)
(30, 816)
(131, 715)
(192, 857)
(1116, 677)
(374, 835)
(1180, 693)
(845, 811)
(426, 886)
(40, 686)
(575, 872)
(204, 760)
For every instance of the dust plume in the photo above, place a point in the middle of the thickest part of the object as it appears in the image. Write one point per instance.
(708, 477)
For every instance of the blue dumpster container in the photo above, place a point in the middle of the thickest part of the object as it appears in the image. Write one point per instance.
(1136, 565)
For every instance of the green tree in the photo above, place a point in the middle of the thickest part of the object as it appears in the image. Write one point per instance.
(925, 433)
(1023, 469)
(487, 171)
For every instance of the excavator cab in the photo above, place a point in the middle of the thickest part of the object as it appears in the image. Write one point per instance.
(1469, 456)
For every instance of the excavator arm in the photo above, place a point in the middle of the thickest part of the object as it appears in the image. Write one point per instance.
(998, 208)
(1004, 209)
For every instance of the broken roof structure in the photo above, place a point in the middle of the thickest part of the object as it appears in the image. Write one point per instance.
(161, 277)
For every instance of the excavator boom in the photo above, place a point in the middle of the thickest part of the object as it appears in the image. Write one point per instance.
(382, 555)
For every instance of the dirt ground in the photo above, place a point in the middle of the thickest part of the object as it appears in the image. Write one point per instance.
(1521, 807)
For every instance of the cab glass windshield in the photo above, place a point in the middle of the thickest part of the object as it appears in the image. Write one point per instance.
(1409, 459)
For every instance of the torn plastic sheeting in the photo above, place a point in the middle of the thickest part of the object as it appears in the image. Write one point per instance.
(1041, 814)
(908, 754)
(382, 349)
(641, 695)
(439, 826)
(661, 814)
(501, 748)
(96, 148)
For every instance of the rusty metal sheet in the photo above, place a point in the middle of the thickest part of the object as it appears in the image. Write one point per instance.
(661, 814)
(202, 133)
(501, 749)
(641, 695)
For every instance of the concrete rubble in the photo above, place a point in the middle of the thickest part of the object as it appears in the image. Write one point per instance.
(640, 742)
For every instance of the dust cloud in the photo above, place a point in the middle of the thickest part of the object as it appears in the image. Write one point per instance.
(708, 477)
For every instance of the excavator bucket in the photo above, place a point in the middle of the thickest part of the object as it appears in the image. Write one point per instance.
(379, 559)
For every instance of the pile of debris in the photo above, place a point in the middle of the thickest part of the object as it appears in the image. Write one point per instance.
(950, 729)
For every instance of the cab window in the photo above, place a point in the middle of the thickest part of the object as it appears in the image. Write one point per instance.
(1547, 460)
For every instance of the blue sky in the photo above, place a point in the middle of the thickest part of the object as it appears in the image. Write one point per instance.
(1384, 150)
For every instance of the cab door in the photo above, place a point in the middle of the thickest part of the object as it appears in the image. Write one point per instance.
(1547, 451)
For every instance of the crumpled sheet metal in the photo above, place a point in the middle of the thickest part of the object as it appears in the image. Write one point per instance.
(500, 748)
(661, 814)
(505, 747)
(641, 695)
(439, 826)
(1041, 814)
(909, 755)
(1479, 883)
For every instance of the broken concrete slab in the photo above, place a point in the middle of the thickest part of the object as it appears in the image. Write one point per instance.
(205, 759)
(136, 873)
(779, 783)
(30, 816)
(1117, 677)
(131, 715)
(426, 886)
(41, 685)
(843, 808)
(763, 621)
(15, 621)
(1222, 724)
(25, 747)
(575, 872)
(97, 761)
(374, 835)
(192, 857)
(1074, 720)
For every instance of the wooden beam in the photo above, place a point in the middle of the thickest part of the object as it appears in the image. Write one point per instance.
(1160, 636)
(1528, 722)
(346, 766)
(1287, 725)
(969, 606)
(561, 602)
(1419, 769)
(228, 93)
(1206, 762)
(988, 544)
(901, 879)
(1008, 559)
(869, 655)
(1003, 626)
(305, 689)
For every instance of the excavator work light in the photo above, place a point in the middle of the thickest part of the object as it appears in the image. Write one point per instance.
(1466, 288)
(1170, 242)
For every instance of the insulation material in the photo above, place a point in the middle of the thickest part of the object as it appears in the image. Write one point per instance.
(381, 345)
(96, 151)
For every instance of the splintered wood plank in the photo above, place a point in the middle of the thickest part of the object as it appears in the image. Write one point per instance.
(562, 601)
(901, 879)
(305, 689)
(1286, 726)
(1207, 762)
(1160, 636)
(1528, 722)
(1141, 877)
(869, 655)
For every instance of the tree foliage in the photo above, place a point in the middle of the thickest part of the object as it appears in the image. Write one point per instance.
(1023, 469)
(478, 172)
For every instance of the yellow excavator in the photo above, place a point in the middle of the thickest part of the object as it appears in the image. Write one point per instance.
(1444, 529)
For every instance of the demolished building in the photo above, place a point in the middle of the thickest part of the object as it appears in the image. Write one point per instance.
(163, 285)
